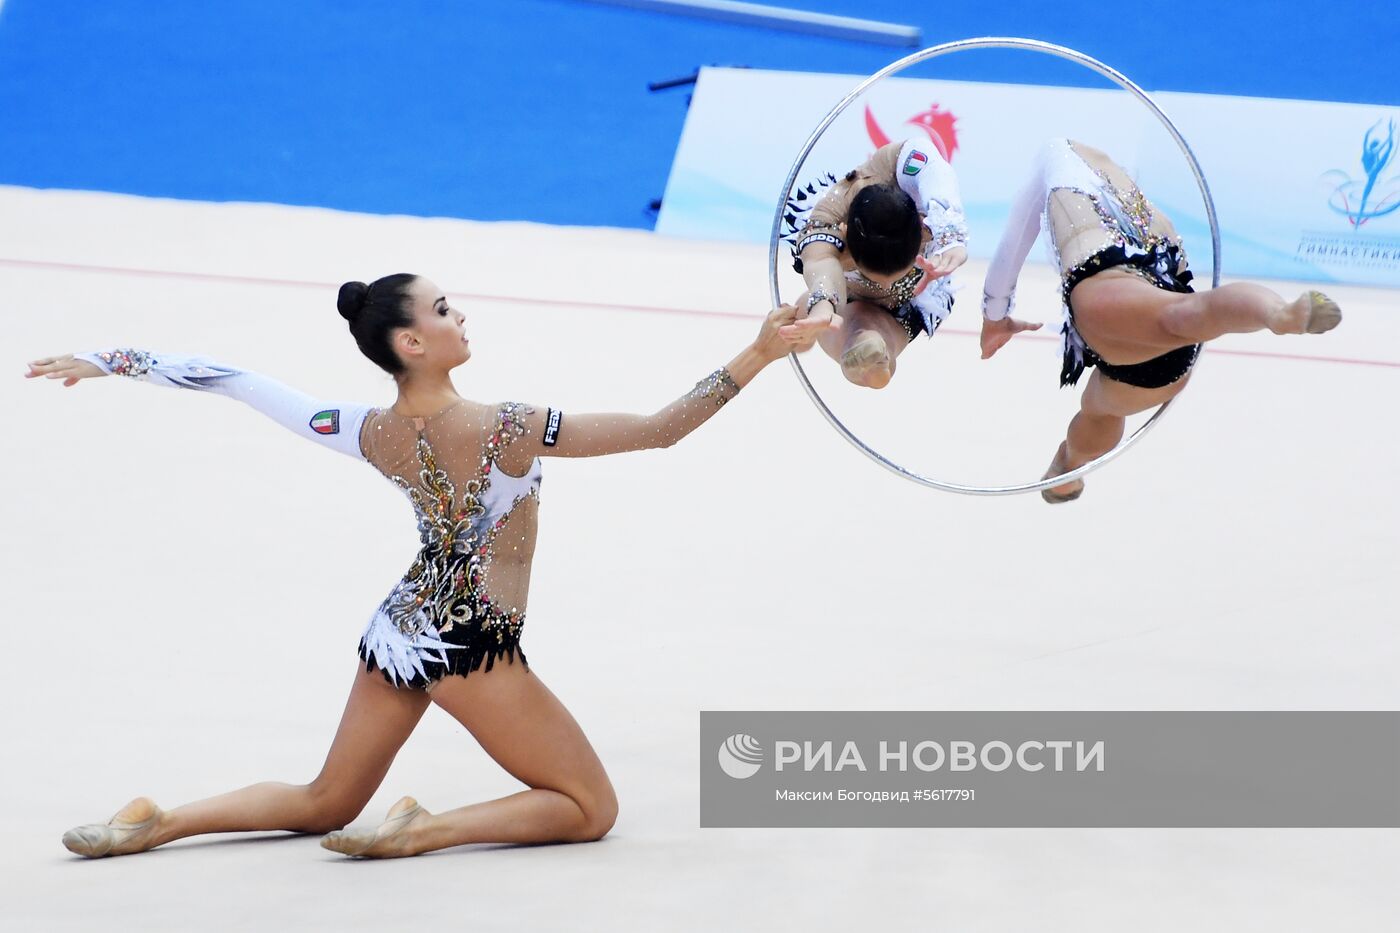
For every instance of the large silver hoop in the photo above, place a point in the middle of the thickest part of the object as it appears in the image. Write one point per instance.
(946, 48)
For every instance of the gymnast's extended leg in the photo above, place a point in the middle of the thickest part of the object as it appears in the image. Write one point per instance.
(1118, 311)
(1127, 320)
(528, 732)
(1097, 428)
(377, 721)
(866, 345)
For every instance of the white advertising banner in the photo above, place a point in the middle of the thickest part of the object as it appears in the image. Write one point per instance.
(1303, 189)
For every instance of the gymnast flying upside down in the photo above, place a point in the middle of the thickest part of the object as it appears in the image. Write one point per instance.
(1128, 307)
(876, 252)
(472, 474)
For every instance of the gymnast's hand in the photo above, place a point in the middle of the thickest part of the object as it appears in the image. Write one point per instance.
(995, 334)
(775, 338)
(942, 265)
(937, 268)
(803, 332)
(65, 368)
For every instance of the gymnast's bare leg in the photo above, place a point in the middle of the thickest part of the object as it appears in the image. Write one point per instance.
(1134, 315)
(1104, 408)
(528, 732)
(378, 719)
(470, 461)
(1129, 321)
(866, 344)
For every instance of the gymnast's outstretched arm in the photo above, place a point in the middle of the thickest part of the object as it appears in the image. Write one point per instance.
(329, 423)
(999, 287)
(1022, 227)
(549, 432)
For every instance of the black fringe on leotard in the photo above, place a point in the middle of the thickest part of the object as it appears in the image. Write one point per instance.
(1161, 266)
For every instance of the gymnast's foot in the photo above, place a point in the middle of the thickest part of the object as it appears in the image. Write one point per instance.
(866, 361)
(391, 839)
(1312, 313)
(1068, 492)
(133, 829)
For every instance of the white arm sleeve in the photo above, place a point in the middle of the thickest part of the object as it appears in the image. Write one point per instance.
(1022, 227)
(927, 177)
(331, 424)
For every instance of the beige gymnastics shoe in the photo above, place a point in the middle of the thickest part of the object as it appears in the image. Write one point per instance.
(1310, 313)
(868, 349)
(385, 841)
(131, 830)
(1057, 466)
(1323, 314)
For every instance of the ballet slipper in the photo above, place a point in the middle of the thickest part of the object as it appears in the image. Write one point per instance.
(1318, 314)
(1057, 466)
(360, 842)
(1323, 314)
(868, 350)
(867, 362)
(128, 832)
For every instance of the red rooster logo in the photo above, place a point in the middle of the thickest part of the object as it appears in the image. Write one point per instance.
(939, 124)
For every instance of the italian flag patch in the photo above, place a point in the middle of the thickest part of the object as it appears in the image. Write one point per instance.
(915, 162)
(326, 422)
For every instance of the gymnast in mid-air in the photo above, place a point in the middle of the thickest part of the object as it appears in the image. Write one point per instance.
(1128, 307)
(449, 632)
(875, 252)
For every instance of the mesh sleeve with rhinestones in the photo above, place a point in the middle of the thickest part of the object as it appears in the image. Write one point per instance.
(596, 434)
(330, 423)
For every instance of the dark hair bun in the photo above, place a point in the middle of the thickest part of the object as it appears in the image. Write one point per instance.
(351, 300)
(374, 320)
(883, 229)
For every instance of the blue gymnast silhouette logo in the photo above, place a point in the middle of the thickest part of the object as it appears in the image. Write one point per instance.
(1362, 200)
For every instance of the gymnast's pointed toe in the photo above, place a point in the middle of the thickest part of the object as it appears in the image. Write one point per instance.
(389, 840)
(867, 362)
(91, 841)
(1310, 313)
(1058, 466)
(1055, 498)
(351, 842)
(1323, 314)
(867, 350)
(131, 830)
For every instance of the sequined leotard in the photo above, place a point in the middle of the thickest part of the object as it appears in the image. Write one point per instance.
(463, 599)
(472, 474)
(814, 231)
(1092, 225)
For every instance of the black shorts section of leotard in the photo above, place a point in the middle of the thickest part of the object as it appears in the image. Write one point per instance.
(474, 650)
(1161, 264)
(1154, 373)
(478, 633)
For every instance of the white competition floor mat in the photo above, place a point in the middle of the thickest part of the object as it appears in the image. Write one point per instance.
(185, 583)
